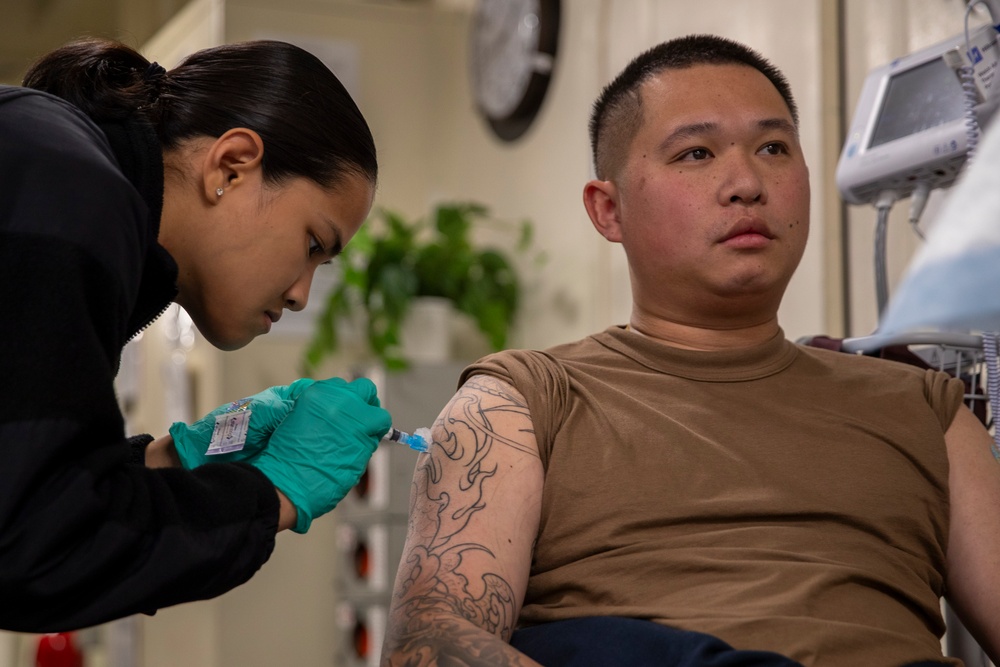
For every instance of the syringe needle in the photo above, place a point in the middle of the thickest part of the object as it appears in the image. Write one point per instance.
(418, 441)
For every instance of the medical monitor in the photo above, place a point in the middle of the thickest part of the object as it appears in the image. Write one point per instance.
(917, 99)
(909, 125)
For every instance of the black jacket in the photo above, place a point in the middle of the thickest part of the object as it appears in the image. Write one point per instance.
(87, 533)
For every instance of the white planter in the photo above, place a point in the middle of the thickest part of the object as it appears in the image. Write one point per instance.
(426, 332)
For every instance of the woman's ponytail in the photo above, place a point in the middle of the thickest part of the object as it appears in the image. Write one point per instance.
(106, 80)
(310, 125)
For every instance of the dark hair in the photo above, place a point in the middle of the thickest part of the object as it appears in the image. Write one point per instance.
(307, 120)
(617, 113)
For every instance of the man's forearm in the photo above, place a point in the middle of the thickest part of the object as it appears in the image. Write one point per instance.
(426, 641)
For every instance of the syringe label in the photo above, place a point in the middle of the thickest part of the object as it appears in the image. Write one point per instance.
(230, 432)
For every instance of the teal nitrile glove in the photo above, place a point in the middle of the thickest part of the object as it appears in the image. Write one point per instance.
(267, 409)
(322, 447)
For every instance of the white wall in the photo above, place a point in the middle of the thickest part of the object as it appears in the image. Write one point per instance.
(412, 85)
(415, 94)
(585, 287)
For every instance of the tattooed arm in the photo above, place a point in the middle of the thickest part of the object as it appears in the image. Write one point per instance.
(474, 512)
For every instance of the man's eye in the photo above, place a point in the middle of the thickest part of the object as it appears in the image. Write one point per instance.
(774, 148)
(696, 154)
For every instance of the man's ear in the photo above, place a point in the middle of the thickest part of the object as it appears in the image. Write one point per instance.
(601, 200)
(231, 160)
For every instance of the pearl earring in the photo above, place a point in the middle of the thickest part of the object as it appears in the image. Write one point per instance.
(219, 191)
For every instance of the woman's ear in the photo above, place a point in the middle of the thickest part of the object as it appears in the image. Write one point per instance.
(601, 201)
(231, 160)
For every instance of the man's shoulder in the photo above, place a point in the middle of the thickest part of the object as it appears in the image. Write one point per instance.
(588, 344)
(555, 353)
(860, 365)
(518, 366)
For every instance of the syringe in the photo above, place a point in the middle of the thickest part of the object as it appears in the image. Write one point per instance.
(419, 441)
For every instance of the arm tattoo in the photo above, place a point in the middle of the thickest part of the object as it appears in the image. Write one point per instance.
(432, 586)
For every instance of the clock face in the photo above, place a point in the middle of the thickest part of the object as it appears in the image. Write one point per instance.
(513, 49)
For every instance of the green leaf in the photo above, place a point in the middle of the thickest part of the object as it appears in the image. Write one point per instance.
(453, 224)
(392, 259)
(397, 286)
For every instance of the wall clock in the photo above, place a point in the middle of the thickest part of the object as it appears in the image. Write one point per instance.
(513, 54)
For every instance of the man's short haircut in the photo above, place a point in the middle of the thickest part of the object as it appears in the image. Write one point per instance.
(617, 113)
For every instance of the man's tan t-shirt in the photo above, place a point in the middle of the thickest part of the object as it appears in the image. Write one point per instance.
(780, 497)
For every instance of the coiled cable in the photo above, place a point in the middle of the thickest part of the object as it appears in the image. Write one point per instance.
(992, 384)
(970, 96)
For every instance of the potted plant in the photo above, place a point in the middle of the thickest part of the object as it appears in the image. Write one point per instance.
(391, 261)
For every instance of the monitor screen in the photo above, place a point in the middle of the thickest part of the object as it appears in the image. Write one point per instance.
(918, 99)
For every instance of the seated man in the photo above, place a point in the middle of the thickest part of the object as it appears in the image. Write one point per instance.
(694, 489)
